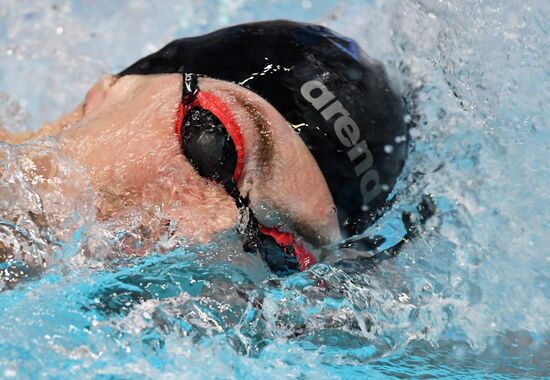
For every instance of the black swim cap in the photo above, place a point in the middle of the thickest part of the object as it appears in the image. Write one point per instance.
(339, 100)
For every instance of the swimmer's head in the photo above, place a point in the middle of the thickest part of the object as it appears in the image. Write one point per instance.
(339, 102)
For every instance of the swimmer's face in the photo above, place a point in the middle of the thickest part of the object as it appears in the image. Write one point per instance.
(124, 135)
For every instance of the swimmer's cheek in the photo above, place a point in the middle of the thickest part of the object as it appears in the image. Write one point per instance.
(199, 226)
(198, 217)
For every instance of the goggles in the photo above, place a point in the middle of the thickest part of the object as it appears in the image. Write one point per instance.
(214, 145)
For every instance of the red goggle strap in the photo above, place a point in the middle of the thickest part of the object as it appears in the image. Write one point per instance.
(215, 105)
(287, 240)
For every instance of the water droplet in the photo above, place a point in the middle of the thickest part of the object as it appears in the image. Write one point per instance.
(10, 373)
(399, 139)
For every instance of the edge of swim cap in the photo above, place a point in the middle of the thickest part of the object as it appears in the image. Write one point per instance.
(346, 125)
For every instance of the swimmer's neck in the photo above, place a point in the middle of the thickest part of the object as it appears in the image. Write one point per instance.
(48, 129)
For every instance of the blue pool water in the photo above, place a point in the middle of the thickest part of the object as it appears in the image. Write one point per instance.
(468, 297)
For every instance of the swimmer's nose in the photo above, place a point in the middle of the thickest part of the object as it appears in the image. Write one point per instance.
(98, 92)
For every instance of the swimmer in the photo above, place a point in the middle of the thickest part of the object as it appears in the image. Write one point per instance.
(287, 133)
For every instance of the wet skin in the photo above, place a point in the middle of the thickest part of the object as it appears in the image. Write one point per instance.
(123, 134)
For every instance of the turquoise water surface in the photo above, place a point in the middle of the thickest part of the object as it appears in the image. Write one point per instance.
(469, 297)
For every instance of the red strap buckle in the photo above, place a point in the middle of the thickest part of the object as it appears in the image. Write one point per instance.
(290, 246)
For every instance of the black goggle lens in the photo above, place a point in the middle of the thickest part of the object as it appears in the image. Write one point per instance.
(211, 150)
(208, 146)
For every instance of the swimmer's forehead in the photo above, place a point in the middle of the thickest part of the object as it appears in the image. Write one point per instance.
(280, 178)
(281, 172)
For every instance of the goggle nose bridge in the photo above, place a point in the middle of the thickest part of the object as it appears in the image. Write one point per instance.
(295, 257)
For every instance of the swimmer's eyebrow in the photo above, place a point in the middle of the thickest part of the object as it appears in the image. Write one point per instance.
(265, 154)
(261, 126)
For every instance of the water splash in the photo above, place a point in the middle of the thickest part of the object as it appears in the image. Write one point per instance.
(468, 296)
